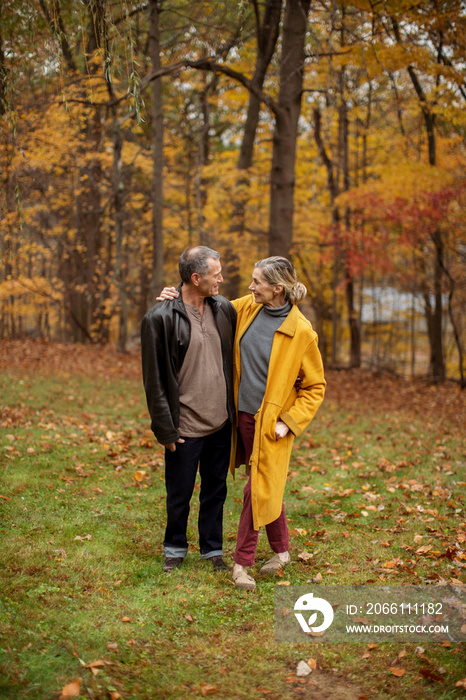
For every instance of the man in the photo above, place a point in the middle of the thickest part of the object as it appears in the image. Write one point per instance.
(187, 371)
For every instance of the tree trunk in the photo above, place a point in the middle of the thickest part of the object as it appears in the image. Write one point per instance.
(156, 281)
(353, 317)
(118, 207)
(282, 176)
(267, 34)
(332, 185)
(202, 158)
(433, 317)
(3, 70)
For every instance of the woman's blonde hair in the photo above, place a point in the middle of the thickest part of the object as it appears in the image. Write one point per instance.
(278, 270)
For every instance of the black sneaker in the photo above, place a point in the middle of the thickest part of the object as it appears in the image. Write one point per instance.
(171, 563)
(219, 564)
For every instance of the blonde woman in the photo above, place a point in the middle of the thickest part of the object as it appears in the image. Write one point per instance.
(274, 344)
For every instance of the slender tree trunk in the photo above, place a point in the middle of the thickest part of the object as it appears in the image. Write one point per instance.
(267, 32)
(202, 158)
(118, 207)
(282, 176)
(3, 69)
(353, 318)
(434, 317)
(333, 188)
(156, 280)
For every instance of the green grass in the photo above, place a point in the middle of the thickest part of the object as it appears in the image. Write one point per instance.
(82, 515)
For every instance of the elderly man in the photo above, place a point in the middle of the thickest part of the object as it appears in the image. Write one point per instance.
(187, 371)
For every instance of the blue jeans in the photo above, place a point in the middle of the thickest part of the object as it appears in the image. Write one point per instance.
(212, 455)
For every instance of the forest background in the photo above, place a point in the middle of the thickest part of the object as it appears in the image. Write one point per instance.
(328, 131)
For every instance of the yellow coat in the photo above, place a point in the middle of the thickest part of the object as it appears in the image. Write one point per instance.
(294, 352)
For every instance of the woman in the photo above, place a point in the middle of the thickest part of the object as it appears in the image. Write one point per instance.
(274, 344)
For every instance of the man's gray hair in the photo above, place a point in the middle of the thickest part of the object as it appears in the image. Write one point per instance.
(196, 259)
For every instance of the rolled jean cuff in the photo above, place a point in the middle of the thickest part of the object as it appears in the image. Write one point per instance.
(170, 552)
(215, 553)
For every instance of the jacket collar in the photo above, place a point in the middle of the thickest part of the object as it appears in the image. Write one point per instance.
(288, 326)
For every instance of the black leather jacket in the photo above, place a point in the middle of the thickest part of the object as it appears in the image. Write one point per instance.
(165, 335)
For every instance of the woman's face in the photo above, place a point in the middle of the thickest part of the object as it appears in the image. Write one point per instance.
(265, 293)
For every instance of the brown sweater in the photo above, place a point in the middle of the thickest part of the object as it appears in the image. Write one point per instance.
(203, 394)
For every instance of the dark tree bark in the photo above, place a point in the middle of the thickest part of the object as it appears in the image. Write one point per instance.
(434, 316)
(156, 279)
(332, 185)
(56, 22)
(3, 69)
(282, 177)
(267, 31)
(118, 206)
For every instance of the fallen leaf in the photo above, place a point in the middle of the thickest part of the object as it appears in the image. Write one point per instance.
(112, 646)
(208, 689)
(424, 549)
(189, 617)
(283, 583)
(126, 619)
(428, 673)
(392, 564)
(114, 695)
(312, 663)
(398, 672)
(71, 690)
(96, 664)
(305, 556)
(362, 620)
(461, 683)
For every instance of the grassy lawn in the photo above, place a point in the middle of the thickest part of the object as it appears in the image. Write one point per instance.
(375, 495)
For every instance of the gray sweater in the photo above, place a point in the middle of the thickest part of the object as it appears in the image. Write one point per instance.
(255, 347)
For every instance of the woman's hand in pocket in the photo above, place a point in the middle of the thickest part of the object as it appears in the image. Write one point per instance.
(281, 430)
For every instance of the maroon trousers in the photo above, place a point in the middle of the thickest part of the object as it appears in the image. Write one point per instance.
(277, 532)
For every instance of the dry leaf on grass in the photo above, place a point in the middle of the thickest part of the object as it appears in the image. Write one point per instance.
(208, 689)
(71, 690)
(398, 672)
(305, 556)
(428, 673)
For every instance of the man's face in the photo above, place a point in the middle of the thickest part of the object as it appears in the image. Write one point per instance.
(208, 284)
